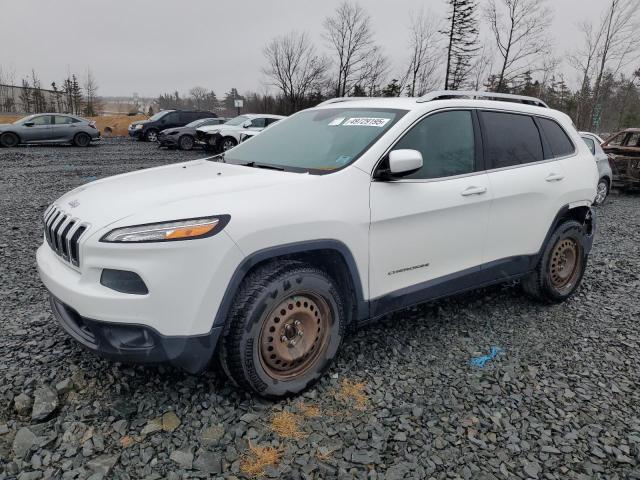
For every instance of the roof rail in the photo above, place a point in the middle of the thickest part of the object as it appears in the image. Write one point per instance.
(505, 97)
(342, 99)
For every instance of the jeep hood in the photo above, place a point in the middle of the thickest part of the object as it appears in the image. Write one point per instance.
(189, 189)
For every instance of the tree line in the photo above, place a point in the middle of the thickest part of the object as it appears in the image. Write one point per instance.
(72, 95)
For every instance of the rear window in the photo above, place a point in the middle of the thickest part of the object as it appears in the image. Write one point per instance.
(559, 141)
(510, 139)
(590, 143)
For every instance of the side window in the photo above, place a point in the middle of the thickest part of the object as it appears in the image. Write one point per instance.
(62, 120)
(559, 142)
(447, 144)
(172, 117)
(271, 121)
(590, 143)
(42, 120)
(510, 139)
(258, 122)
(617, 140)
(634, 140)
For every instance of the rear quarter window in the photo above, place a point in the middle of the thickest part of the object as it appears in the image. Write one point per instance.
(559, 142)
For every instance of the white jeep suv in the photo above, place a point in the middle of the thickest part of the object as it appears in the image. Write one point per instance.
(335, 216)
(220, 138)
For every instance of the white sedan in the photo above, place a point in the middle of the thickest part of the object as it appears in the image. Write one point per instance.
(220, 138)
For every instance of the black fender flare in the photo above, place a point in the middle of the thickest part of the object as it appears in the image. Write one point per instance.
(362, 306)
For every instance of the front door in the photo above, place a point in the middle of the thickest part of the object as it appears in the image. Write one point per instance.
(428, 229)
(39, 129)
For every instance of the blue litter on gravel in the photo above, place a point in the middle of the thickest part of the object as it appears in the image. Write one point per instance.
(481, 361)
(90, 179)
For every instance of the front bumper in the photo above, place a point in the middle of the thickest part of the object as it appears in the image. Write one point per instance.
(136, 343)
(167, 140)
(135, 133)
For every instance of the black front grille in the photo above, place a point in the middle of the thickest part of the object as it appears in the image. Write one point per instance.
(63, 233)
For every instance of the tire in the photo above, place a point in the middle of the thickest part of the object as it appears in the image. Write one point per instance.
(9, 140)
(227, 144)
(283, 330)
(602, 192)
(82, 140)
(186, 142)
(561, 267)
(151, 135)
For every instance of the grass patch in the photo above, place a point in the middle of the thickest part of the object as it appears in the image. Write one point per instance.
(353, 392)
(287, 425)
(258, 459)
(309, 411)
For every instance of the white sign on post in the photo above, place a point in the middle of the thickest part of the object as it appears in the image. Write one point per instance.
(238, 103)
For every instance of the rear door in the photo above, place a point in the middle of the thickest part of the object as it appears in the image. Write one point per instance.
(62, 128)
(430, 226)
(527, 183)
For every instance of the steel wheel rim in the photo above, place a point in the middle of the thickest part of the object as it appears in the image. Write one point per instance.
(601, 192)
(565, 264)
(294, 335)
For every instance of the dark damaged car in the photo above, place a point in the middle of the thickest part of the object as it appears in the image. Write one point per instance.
(623, 150)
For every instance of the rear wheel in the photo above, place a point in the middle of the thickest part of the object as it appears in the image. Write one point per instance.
(9, 139)
(82, 140)
(561, 267)
(186, 142)
(602, 192)
(284, 329)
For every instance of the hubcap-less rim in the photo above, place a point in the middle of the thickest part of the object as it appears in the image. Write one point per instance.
(602, 192)
(565, 264)
(294, 335)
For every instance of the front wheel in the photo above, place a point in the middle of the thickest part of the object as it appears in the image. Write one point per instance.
(561, 267)
(228, 143)
(151, 136)
(9, 139)
(186, 142)
(602, 192)
(284, 329)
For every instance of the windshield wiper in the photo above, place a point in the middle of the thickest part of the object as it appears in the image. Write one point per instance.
(262, 165)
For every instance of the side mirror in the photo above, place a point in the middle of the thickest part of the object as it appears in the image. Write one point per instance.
(401, 163)
(246, 124)
(28, 124)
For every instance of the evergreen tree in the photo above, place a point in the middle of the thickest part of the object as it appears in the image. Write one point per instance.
(393, 89)
(462, 35)
(76, 94)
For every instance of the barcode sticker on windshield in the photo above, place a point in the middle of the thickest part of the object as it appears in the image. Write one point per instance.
(367, 122)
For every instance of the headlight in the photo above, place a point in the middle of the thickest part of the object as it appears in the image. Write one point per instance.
(189, 229)
(138, 127)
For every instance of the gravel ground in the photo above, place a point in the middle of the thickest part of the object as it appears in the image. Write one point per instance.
(403, 400)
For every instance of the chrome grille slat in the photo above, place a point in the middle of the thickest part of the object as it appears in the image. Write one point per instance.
(63, 232)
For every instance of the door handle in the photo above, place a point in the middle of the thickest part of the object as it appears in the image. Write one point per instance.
(554, 177)
(473, 191)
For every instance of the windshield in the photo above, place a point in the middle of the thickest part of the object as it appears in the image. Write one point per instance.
(159, 115)
(23, 120)
(234, 122)
(320, 140)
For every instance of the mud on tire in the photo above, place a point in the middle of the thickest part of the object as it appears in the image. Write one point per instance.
(284, 329)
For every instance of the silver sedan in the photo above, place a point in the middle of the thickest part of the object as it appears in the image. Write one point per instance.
(49, 128)
(593, 141)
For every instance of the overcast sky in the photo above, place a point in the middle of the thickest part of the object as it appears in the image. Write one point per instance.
(155, 46)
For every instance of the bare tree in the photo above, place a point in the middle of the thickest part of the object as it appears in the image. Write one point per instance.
(294, 67)
(348, 32)
(424, 56)
(199, 96)
(482, 66)
(373, 74)
(91, 102)
(520, 31)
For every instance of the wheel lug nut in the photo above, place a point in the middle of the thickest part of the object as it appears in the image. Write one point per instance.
(283, 338)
